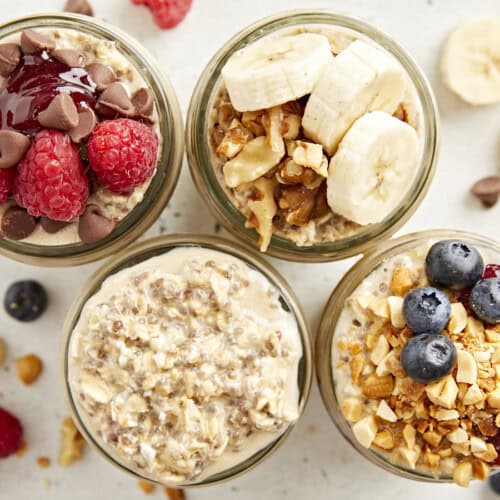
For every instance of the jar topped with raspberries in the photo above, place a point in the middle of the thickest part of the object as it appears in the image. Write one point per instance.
(312, 135)
(408, 356)
(90, 140)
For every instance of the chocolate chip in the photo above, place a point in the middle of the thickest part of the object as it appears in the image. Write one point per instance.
(103, 76)
(86, 123)
(93, 225)
(143, 101)
(17, 223)
(52, 226)
(70, 57)
(487, 190)
(13, 146)
(115, 100)
(79, 7)
(61, 113)
(32, 41)
(10, 55)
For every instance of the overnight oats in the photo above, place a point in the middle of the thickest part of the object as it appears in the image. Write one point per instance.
(185, 366)
(81, 142)
(316, 133)
(415, 360)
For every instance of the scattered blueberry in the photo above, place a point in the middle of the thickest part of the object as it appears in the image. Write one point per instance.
(495, 482)
(454, 264)
(25, 300)
(428, 357)
(485, 300)
(426, 310)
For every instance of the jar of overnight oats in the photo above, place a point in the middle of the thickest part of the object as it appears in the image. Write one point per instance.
(419, 399)
(187, 360)
(286, 165)
(121, 111)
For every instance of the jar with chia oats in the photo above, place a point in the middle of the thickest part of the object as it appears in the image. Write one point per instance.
(118, 94)
(187, 360)
(434, 428)
(313, 135)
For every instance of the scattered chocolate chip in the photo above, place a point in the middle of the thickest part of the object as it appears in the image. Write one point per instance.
(32, 41)
(17, 223)
(79, 7)
(143, 102)
(70, 57)
(93, 225)
(102, 75)
(52, 226)
(487, 190)
(13, 146)
(10, 55)
(86, 123)
(115, 100)
(61, 113)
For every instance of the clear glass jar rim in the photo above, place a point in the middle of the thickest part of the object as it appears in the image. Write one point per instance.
(159, 245)
(198, 149)
(326, 329)
(170, 159)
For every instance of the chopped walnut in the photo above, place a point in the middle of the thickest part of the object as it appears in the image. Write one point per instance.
(297, 204)
(72, 443)
(29, 368)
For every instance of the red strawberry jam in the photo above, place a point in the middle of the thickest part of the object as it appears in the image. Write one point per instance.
(32, 86)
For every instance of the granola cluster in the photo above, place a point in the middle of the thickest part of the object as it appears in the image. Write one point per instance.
(442, 428)
(172, 369)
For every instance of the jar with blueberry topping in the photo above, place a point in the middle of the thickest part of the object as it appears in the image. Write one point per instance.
(408, 356)
(80, 102)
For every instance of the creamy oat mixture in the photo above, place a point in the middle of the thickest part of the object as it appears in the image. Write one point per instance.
(113, 205)
(185, 365)
(288, 203)
(440, 429)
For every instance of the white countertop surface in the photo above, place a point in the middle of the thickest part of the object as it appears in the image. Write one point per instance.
(315, 463)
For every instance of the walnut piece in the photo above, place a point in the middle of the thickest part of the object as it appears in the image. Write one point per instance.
(72, 443)
(29, 368)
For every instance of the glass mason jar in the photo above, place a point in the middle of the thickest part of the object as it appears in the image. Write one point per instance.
(160, 245)
(200, 155)
(327, 376)
(170, 127)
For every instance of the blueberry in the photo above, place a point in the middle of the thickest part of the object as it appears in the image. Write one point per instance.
(454, 264)
(428, 357)
(25, 300)
(495, 482)
(485, 300)
(426, 309)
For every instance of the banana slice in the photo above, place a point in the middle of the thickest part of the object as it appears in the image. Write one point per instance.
(470, 62)
(373, 168)
(361, 78)
(275, 70)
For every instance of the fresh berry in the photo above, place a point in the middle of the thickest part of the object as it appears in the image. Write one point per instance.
(50, 180)
(6, 182)
(167, 13)
(428, 357)
(453, 264)
(491, 271)
(26, 300)
(426, 310)
(11, 434)
(485, 300)
(495, 482)
(123, 154)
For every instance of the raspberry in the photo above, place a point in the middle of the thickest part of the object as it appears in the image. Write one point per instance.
(167, 13)
(6, 182)
(11, 434)
(491, 271)
(122, 153)
(50, 180)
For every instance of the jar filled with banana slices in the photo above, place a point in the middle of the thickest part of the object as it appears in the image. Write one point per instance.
(312, 135)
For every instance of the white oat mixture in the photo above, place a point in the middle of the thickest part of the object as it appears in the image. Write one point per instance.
(185, 365)
(440, 429)
(113, 205)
